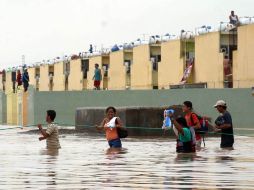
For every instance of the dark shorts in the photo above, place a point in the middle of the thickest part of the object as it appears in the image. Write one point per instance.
(115, 143)
(97, 83)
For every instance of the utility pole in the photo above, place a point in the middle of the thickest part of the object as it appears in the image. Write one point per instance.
(23, 62)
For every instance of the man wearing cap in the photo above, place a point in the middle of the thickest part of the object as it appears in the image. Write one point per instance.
(224, 124)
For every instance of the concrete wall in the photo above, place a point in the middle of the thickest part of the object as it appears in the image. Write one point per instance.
(8, 83)
(117, 71)
(75, 80)
(12, 109)
(1, 82)
(137, 118)
(171, 68)
(31, 73)
(208, 65)
(243, 60)
(44, 78)
(3, 109)
(240, 102)
(59, 77)
(141, 70)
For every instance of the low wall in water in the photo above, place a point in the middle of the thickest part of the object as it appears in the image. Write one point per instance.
(140, 121)
(137, 119)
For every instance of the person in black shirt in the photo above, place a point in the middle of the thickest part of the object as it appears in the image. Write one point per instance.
(224, 124)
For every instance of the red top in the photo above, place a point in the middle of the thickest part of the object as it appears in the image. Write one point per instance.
(192, 122)
(19, 80)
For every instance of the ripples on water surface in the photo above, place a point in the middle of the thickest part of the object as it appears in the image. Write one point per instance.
(85, 163)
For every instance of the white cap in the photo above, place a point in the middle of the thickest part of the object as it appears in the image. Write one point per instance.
(220, 103)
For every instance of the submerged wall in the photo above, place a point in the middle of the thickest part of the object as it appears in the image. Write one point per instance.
(240, 102)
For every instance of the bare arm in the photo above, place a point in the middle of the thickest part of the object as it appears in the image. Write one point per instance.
(177, 126)
(101, 126)
(43, 133)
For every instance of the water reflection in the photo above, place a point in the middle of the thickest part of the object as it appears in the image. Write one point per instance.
(86, 162)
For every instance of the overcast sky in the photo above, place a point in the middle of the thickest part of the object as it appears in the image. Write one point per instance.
(45, 29)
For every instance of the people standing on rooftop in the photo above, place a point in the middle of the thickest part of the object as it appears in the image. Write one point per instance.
(25, 80)
(97, 77)
(19, 79)
(224, 125)
(13, 79)
(233, 19)
(91, 48)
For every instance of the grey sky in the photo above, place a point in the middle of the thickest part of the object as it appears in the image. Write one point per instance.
(45, 29)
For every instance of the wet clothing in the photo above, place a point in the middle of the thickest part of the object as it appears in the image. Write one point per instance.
(184, 142)
(115, 143)
(186, 136)
(227, 135)
(111, 133)
(192, 120)
(53, 139)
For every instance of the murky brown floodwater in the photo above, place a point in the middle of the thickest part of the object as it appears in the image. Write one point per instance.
(85, 163)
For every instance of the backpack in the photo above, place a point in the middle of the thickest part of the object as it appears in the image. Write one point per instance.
(203, 124)
(122, 133)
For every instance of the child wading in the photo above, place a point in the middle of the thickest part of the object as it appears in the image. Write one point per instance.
(184, 135)
(110, 124)
(51, 133)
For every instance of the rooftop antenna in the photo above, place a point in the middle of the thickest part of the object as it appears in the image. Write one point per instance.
(23, 60)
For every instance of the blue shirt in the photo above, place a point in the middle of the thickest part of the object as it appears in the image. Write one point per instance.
(97, 74)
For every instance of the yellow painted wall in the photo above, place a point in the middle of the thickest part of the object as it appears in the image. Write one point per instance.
(12, 109)
(243, 58)
(208, 60)
(59, 78)
(31, 73)
(90, 73)
(76, 75)
(117, 71)
(141, 70)
(105, 60)
(171, 68)
(24, 109)
(8, 83)
(1, 82)
(44, 78)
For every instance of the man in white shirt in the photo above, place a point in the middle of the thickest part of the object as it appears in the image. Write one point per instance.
(233, 19)
(51, 133)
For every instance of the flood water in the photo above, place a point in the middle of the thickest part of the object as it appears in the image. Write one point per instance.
(86, 163)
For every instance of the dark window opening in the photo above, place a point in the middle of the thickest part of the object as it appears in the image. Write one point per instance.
(85, 67)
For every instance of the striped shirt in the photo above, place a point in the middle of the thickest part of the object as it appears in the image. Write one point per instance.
(53, 139)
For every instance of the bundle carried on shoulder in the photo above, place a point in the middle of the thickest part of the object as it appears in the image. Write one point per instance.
(122, 132)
